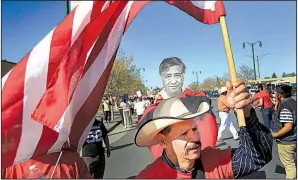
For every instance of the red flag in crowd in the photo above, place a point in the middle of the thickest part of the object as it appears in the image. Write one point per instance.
(52, 95)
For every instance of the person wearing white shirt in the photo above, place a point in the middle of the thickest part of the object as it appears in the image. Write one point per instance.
(140, 107)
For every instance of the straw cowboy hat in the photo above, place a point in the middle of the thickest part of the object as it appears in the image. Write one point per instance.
(168, 112)
(223, 89)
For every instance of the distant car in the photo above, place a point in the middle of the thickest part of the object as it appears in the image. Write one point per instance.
(215, 94)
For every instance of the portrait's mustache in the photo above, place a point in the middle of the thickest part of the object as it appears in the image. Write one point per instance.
(193, 145)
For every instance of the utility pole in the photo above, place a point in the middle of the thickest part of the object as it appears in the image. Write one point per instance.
(67, 7)
(258, 61)
(252, 44)
(195, 72)
(258, 67)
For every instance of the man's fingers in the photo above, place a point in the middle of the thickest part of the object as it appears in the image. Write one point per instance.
(237, 83)
(242, 103)
(240, 89)
(241, 97)
(229, 86)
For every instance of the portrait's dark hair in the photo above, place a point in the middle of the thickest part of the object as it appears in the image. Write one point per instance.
(169, 62)
(284, 90)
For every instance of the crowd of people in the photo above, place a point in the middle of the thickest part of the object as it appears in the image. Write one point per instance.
(127, 106)
(180, 130)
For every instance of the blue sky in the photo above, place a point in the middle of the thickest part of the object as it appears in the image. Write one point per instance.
(161, 30)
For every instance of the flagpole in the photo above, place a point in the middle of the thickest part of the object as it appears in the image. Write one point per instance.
(67, 7)
(231, 64)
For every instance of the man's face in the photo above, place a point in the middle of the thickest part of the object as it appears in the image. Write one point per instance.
(172, 80)
(183, 141)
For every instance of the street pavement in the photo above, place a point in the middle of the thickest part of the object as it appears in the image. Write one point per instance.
(128, 160)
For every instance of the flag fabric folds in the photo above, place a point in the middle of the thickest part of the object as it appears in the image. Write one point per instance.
(52, 95)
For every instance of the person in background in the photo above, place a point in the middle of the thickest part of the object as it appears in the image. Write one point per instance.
(147, 101)
(131, 105)
(121, 106)
(126, 112)
(93, 151)
(107, 105)
(265, 104)
(286, 129)
(140, 107)
(225, 119)
(276, 105)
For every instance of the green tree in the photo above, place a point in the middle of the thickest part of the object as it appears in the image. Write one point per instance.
(194, 86)
(245, 73)
(274, 75)
(290, 74)
(125, 78)
(283, 74)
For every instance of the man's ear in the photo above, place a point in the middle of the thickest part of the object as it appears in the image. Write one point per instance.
(161, 139)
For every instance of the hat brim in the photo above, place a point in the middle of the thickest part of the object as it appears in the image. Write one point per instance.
(147, 133)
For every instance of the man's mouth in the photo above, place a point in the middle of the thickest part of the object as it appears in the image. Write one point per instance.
(195, 146)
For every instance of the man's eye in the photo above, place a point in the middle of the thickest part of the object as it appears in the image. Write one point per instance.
(194, 129)
(183, 134)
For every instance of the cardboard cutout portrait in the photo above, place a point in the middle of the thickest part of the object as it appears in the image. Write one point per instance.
(172, 71)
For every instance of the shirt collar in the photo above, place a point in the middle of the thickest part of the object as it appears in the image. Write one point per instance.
(164, 94)
(169, 163)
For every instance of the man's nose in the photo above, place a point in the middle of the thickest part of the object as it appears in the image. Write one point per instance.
(194, 135)
(173, 80)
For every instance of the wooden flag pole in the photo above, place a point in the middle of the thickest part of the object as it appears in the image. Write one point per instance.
(231, 64)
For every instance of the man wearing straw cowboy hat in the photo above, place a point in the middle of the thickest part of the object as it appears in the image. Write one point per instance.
(171, 125)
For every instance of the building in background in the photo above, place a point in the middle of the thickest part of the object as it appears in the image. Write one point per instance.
(6, 66)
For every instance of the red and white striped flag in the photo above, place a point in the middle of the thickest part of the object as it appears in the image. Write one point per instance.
(52, 95)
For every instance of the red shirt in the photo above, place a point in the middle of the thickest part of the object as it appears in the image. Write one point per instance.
(264, 94)
(70, 166)
(217, 164)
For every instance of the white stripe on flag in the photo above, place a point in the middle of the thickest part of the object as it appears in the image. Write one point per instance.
(36, 75)
(205, 4)
(89, 80)
(104, 7)
(5, 78)
(93, 74)
(81, 19)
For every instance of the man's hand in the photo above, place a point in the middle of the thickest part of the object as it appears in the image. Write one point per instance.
(108, 153)
(274, 135)
(238, 97)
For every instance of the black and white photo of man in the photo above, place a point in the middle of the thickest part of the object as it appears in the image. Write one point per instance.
(172, 72)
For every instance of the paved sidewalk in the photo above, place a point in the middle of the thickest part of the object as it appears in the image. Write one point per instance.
(118, 131)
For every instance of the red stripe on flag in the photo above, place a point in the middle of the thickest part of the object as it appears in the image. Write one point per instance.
(136, 7)
(60, 44)
(205, 16)
(12, 112)
(56, 99)
(106, 30)
(96, 12)
(90, 106)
